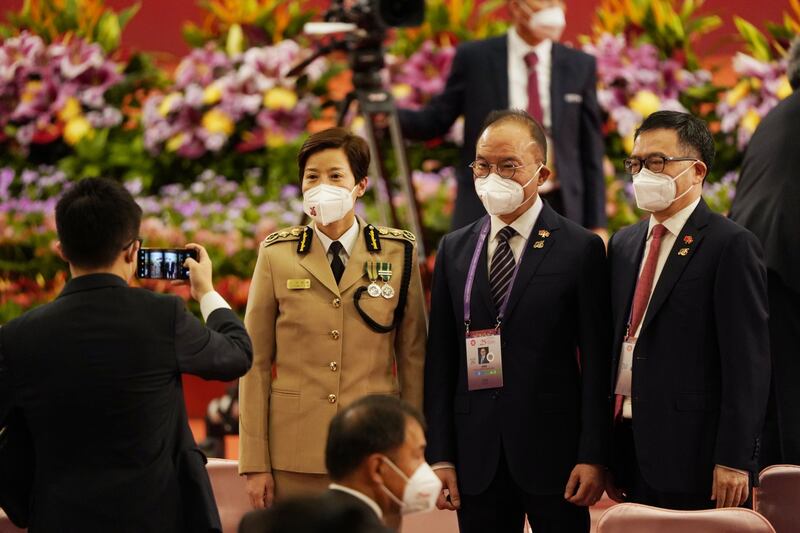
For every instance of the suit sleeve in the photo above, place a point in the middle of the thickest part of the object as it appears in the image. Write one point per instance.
(220, 350)
(5, 384)
(741, 309)
(254, 387)
(436, 118)
(594, 346)
(592, 150)
(441, 367)
(410, 341)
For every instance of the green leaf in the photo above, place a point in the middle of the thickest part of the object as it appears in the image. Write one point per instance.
(756, 42)
(108, 32)
(127, 14)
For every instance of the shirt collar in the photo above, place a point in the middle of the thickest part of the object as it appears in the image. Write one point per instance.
(523, 224)
(675, 223)
(360, 495)
(348, 238)
(518, 48)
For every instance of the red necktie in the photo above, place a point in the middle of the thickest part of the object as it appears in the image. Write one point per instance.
(534, 103)
(641, 296)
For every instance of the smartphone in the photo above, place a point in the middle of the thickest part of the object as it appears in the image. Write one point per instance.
(163, 263)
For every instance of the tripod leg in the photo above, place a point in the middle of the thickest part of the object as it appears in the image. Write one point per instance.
(378, 172)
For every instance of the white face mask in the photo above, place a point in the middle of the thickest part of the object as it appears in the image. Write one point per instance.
(655, 191)
(501, 196)
(327, 203)
(421, 492)
(548, 23)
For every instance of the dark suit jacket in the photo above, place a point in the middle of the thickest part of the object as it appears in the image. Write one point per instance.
(701, 363)
(478, 84)
(96, 374)
(768, 191)
(552, 411)
(332, 512)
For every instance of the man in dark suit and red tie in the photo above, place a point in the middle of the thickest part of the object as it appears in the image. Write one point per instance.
(691, 345)
(527, 433)
(526, 69)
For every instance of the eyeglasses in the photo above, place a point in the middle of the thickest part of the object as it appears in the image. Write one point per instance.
(137, 239)
(505, 169)
(653, 163)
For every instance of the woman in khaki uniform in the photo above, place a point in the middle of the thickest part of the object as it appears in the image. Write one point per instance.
(335, 312)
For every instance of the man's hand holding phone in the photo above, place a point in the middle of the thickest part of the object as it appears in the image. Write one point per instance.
(200, 272)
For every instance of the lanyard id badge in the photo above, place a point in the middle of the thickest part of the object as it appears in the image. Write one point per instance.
(484, 356)
(625, 373)
(484, 360)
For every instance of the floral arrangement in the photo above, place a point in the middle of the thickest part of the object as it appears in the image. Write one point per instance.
(55, 91)
(216, 99)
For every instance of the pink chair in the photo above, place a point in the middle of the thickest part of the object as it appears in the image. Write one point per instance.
(778, 497)
(630, 517)
(229, 491)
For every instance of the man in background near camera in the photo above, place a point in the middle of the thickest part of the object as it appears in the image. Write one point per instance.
(767, 203)
(526, 69)
(112, 356)
(691, 347)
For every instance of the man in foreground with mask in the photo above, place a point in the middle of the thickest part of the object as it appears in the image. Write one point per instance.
(375, 455)
(526, 69)
(691, 347)
(527, 432)
(335, 312)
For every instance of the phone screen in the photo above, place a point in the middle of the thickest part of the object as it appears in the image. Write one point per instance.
(163, 263)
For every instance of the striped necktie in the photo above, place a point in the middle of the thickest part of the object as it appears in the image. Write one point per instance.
(502, 267)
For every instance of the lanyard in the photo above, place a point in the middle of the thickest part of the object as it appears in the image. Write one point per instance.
(473, 267)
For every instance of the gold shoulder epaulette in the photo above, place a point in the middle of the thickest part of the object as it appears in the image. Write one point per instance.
(394, 233)
(288, 234)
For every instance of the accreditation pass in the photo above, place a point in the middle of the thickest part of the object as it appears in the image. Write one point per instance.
(484, 360)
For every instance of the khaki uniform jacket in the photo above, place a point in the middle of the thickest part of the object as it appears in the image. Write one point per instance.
(314, 354)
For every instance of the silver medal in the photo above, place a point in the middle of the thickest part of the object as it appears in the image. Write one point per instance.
(387, 291)
(374, 290)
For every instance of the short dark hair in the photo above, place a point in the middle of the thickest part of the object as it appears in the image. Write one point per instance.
(793, 67)
(373, 424)
(524, 119)
(95, 219)
(354, 147)
(692, 133)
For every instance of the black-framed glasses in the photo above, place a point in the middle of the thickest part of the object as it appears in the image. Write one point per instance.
(505, 169)
(137, 239)
(653, 163)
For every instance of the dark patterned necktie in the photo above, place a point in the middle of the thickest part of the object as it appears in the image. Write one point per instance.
(502, 267)
(337, 266)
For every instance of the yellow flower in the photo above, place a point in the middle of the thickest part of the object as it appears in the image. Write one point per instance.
(274, 140)
(280, 98)
(71, 109)
(212, 94)
(76, 129)
(175, 142)
(216, 121)
(737, 93)
(627, 143)
(235, 42)
(645, 103)
(166, 104)
(751, 120)
(784, 89)
(401, 91)
(31, 91)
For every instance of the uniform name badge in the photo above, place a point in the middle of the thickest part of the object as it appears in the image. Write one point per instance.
(484, 360)
(625, 374)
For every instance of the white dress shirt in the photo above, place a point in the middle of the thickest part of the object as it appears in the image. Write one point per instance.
(361, 496)
(210, 302)
(523, 224)
(674, 225)
(518, 74)
(348, 241)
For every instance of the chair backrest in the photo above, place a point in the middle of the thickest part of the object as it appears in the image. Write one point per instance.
(229, 491)
(627, 517)
(778, 497)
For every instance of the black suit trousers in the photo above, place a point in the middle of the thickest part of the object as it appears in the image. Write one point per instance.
(503, 506)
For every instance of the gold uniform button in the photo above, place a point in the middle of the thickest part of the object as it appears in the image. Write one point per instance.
(335, 334)
(334, 367)
(331, 398)
(337, 303)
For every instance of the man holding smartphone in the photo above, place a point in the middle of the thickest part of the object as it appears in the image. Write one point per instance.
(113, 356)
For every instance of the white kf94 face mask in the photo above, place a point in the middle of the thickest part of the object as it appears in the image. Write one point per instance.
(501, 196)
(548, 23)
(421, 492)
(656, 191)
(326, 204)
